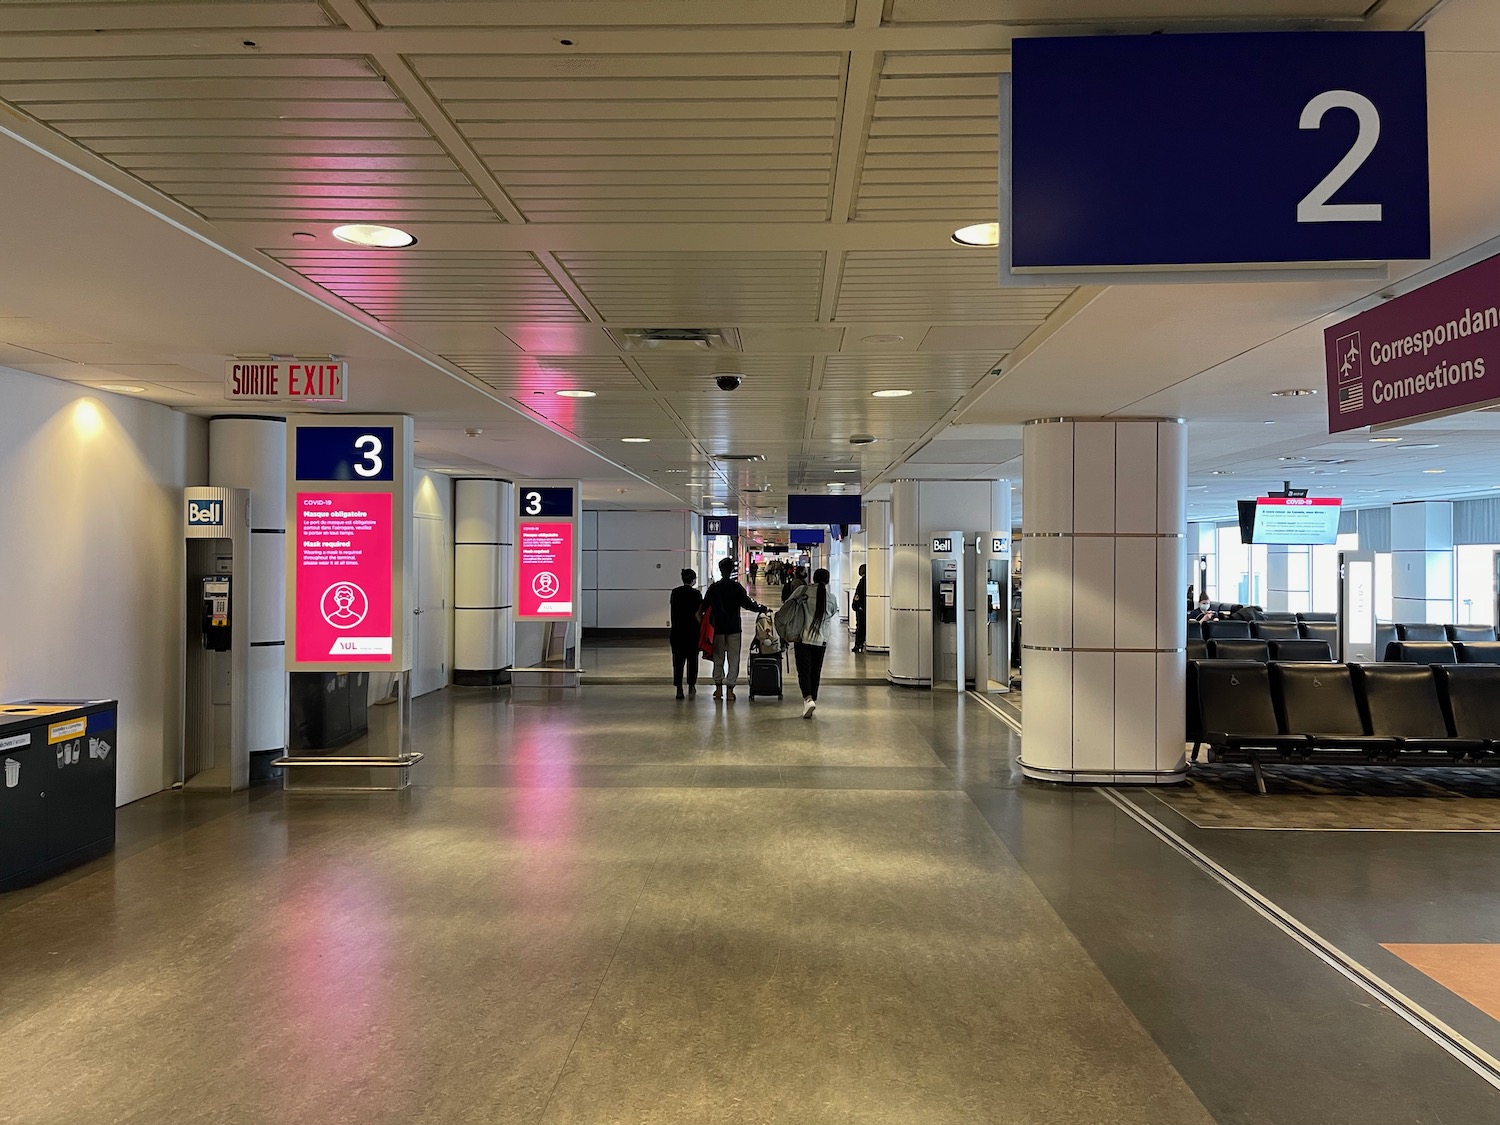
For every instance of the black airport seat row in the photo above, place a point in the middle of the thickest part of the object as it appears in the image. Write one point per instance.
(1442, 652)
(1227, 609)
(1267, 631)
(1348, 714)
(1239, 648)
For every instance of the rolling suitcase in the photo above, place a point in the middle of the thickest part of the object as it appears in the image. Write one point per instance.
(765, 674)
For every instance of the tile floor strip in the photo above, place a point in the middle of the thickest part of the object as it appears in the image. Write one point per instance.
(1466, 1052)
(996, 710)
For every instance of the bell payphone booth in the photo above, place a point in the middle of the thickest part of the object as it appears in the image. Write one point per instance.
(992, 612)
(950, 617)
(216, 651)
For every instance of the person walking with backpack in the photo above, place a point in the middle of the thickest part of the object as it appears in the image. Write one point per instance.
(723, 602)
(685, 604)
(807, 619)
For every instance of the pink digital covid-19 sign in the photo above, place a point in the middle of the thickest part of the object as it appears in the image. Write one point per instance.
(343, 578)
(544, 569)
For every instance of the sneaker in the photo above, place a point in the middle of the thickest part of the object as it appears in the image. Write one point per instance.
(808, 707)
(731, 693)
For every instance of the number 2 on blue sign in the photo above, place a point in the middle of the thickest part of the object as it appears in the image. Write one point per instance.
(1314, 206)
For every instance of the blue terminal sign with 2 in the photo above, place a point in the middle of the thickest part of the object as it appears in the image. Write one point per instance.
(345, 453)
(1219, 149)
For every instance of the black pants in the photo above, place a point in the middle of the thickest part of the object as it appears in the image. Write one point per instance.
(809, 668)
(859, 630)
(685, 652)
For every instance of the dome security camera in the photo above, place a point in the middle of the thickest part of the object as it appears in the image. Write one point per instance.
(728, 382)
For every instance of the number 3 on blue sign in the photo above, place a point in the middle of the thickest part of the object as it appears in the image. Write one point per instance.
(533, 503)
(370, 464)
(1314, 206)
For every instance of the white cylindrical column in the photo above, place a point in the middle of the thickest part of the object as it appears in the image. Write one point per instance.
(250, 452)
(482, 581)
(1103, 520)
(877, 516)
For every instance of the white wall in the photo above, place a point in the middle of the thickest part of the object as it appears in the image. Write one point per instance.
(91, 575)
(631, 562)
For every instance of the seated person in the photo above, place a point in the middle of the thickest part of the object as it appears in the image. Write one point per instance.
(1203, 613)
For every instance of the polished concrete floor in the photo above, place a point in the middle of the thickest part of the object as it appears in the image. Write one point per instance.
(614, 907)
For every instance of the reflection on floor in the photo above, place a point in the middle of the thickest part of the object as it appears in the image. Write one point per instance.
(616, 907)
(1470, 971)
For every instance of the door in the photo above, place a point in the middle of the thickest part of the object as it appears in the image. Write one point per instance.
(430, 617)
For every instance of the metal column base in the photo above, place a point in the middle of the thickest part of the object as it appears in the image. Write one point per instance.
(1105, 777)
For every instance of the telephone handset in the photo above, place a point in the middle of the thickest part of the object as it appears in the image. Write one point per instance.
(216, 624)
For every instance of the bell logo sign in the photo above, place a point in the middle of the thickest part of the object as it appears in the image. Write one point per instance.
(205, 513)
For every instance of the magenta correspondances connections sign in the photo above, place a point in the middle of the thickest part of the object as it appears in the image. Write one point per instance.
(1432, 350)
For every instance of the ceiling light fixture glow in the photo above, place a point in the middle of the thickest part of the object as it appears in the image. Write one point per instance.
(846, 470)
(576, 394)
(374, 235)
(122, 388)
(1385, 439)
(635, 440)
(978, 234)
(1294, 392)
(892, 393)
(1434, 470)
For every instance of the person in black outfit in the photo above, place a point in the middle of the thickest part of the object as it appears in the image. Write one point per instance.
(857, 606)
(686, 601)
(724, 599)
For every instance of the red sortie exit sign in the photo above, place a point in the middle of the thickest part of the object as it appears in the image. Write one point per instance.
(287, 380)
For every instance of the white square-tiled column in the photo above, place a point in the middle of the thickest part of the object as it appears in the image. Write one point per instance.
(1104, 631)
(483, 557)
(1422, 561)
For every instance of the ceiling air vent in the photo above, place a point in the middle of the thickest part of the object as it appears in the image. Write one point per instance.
(738, 456)
(693, 340)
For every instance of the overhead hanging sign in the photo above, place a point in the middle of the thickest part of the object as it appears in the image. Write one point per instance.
(1137, 153)
(1435, 350)
(287, 380)
(721, 525)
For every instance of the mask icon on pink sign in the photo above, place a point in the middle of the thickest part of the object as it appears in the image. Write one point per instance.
(344, 605)
(545, 585)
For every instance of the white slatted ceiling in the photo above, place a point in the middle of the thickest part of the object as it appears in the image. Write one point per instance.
(605, 139)
(937, 285)
(1057, 11)
(307, 139)
(609, 13)
(437, 285)
(932, 151)
(707, 290)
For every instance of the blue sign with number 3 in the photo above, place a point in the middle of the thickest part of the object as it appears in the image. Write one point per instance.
(1225, 149)
(345, 453)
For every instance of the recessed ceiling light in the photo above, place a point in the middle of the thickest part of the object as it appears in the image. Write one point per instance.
(304, 236)
(1269, 422)
(846, 470)
(882, 338)
(1218, 472)
(576, 394)
(892, 393)
(862, 439)
(373, 234)
(122, 388)
(1434, 470)
(473, 431)
(1294, 392)
(635, 440)
(1428, 445)
(1385, 439)
(674, 470)
(978, 234)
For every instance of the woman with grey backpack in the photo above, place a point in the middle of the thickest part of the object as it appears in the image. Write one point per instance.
(807, 620)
